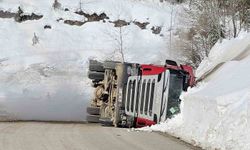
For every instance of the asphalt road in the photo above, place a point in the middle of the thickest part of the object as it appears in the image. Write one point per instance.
(63, 136)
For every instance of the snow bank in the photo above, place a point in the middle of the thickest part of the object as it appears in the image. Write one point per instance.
(223, 52)
(215, 114)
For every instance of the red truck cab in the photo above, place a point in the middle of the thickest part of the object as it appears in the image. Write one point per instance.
(152, 96)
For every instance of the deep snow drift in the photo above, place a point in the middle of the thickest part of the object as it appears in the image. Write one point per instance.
(215, 114)
(47, 81)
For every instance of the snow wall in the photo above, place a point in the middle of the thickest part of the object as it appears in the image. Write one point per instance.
(216, 113)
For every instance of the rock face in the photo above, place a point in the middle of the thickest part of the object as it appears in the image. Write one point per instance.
(142, 25)
(6, 14)
(156, 30)
(120, 23)
(47, 27)
(90, 18)
(93, 17)
(74, 22)
(20, 17)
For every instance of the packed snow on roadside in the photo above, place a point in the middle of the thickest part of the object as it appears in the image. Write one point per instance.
(216, 113)
(47, 81)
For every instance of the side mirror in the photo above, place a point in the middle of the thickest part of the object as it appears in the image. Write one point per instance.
(171, 62)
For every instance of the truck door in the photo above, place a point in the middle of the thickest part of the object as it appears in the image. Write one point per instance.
(163, 105)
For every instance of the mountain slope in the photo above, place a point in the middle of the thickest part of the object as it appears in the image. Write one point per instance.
(45, 50)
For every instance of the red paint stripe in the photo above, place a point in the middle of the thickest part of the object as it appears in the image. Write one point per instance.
(142, 122)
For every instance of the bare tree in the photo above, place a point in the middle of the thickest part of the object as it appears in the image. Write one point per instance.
(118, 37)
(120, 43)
(209, 22)
(206, 29)
(80, 5)
(170, 30)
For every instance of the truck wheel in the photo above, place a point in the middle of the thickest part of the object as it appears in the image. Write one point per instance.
(110, 64)
(93, 118)
(96, 75)
(106, 122)
(95, 83)
(96, 66)
(93, 110)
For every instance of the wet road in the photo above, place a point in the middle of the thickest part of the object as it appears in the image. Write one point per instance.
(70, 136)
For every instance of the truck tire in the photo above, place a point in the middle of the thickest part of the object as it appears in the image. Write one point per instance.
(95, 83)
(106, 122)
(110, 64)
(93, 118)
(93, 110)
(96, 66)
(96, 75)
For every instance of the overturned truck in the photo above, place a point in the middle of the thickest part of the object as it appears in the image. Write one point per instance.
(136, 95)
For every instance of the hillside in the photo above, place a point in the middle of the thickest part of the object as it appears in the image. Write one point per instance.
(45, 50)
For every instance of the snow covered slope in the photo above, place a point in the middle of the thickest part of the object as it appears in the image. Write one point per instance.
(46, 79)
(216, 113)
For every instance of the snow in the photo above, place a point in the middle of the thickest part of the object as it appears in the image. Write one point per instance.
(47, 81)
(221, 53)
(215, 114)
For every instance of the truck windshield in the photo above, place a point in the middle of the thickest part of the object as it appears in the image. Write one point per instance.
(175, 89)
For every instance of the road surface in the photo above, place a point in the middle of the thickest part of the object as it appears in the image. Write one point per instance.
(62, 136)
